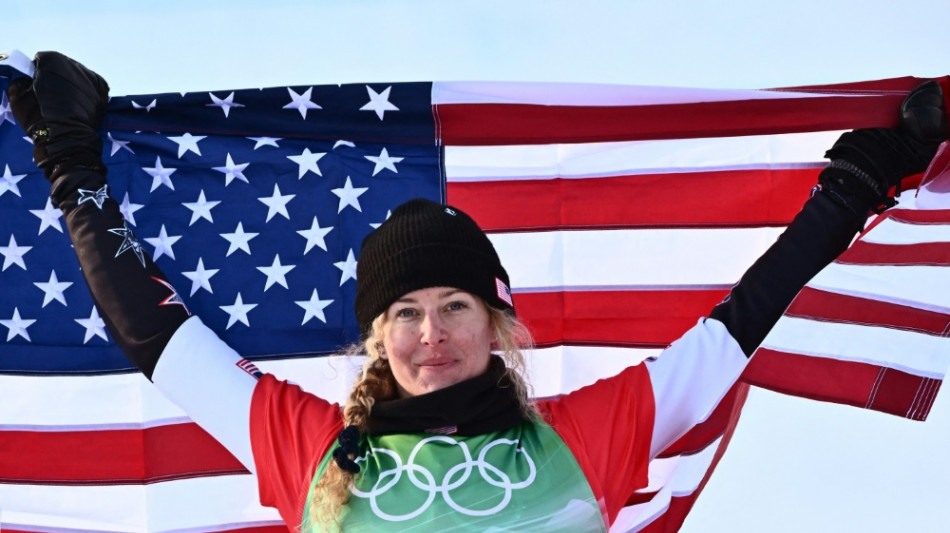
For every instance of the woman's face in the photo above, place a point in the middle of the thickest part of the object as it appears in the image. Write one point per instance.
(436, 337)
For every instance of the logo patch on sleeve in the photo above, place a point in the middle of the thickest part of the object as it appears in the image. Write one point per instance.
(250, 368)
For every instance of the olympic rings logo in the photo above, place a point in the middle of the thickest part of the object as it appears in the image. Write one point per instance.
(423, 479)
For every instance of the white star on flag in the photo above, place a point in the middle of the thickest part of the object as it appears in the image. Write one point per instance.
(16, 326)
(94, 325)
(379, 102)
(315, 235)
(276, 273)
(349, 195)
(347, 267)
(49, 217)
(239, 240)
(314, 308)
(187, 143)
(342, 142)
(265, 141)
(200, 277)
(232, 171)
(118, 145)
(237, 312)
(225, 104)
(53, 289)
(277, 204)
(128, 209)
(375, 225)
(201, 208)
(384, 161)
(160, 175)
(8, 181)
(301, 102)
(307, 162)
(163, 244)
(6, 114)
(148, 107)
(13, 254)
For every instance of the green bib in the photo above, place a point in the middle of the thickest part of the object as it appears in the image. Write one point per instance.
(524, 479)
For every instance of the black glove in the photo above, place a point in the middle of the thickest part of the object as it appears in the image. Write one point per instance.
(867, 163)
(61, 109)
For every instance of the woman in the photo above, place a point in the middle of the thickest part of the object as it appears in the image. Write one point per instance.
(438, 433)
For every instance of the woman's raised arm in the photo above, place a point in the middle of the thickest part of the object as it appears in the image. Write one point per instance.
(61, 110)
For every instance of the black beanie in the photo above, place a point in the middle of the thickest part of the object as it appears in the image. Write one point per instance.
(425, 244)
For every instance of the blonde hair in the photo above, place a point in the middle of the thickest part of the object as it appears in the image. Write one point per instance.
(376, 383)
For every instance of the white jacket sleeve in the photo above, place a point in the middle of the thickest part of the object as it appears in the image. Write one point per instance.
(207, 379)
(689, 379)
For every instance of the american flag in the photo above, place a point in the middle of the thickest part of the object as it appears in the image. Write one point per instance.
(623, 214)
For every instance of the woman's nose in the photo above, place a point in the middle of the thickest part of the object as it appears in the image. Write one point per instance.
(433, 329)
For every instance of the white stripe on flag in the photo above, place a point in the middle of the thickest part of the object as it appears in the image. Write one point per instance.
(920, 354)
(923, 287)
(630, 258)
(168, 506)
(490, 163)
(890, 231)
(59, 402)
(589, 94)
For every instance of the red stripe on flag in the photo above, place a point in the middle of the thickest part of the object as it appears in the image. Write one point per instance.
(759, 197)
(870, 253)
(499, 124)
(817, 304)
(119, 457)
(847, 382)
(640, 318)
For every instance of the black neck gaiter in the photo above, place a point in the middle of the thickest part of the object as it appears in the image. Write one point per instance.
(478, 405)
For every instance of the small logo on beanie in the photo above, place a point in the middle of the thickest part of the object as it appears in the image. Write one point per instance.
(504, 293)
(450, 211)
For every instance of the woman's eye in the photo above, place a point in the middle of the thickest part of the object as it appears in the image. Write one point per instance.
(406, 313)
(456, 306)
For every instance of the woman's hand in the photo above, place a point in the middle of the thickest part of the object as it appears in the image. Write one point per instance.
(61, 109)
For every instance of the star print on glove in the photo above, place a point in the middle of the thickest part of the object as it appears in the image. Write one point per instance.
(97, 197)
(129, 242)
(173, 298)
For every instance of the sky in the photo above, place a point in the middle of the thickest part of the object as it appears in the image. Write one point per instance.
(793, 465)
